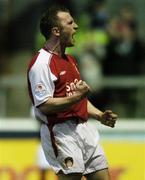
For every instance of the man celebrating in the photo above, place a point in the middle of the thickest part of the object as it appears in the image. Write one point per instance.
(59, 97)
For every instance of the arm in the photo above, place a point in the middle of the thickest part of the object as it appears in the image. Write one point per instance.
(93, 111)
(107, 117)
(54, 105)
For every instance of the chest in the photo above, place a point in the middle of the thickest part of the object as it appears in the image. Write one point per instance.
(67, 72)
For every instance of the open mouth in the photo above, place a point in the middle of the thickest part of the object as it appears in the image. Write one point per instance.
(73, 36)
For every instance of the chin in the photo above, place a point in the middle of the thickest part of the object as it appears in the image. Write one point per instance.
(70, 45)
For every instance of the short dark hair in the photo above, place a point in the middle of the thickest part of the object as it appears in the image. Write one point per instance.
(49, 19)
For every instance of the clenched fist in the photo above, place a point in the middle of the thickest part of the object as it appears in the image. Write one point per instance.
(108, 118)
(82, 88)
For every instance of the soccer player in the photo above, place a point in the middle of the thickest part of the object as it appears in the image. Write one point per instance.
(59, 96)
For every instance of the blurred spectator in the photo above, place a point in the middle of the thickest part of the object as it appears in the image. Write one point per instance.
(125, 52)
(70, 4)
(127, 15)
(90, 67)
(99, 15)
(125, 56)
(19, 27)
(94, 50)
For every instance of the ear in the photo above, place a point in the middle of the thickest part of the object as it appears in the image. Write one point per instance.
(55, 31)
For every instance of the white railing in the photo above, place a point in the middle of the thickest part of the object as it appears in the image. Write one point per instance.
(125, 129)
(109, 81)
(123, 82)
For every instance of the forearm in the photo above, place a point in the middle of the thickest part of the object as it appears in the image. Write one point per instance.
(93, 111)
(107, 117)
(54, 105)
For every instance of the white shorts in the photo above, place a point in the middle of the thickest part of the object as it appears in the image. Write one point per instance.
(41, 161)
(78, 148)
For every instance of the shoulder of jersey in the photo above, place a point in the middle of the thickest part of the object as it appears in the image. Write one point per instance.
(43, 58)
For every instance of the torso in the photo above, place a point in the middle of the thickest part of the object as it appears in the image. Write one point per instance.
(64, 76)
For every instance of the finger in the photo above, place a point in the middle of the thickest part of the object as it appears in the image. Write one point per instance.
(114, 115)
(83, 83)
(80, 82)
(108, 112)
(109, 118)
(113, 118)
(86, 85)
(111, 115)
(111, 124)
(110, 121)
(113, 121)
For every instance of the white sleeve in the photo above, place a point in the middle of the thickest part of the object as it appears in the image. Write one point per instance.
(41, 81)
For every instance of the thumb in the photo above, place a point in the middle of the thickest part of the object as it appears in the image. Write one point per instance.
(108, 112)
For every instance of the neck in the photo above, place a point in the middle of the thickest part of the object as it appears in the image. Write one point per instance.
(54, 45)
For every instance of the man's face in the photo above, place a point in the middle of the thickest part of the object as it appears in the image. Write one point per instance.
(67, 29)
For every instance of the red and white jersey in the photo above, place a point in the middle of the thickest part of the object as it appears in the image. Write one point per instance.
(52, 76)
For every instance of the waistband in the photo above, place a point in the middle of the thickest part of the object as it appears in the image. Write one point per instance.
(52, 122)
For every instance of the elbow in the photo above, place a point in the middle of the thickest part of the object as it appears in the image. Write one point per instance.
(43, 109)
(46, 108)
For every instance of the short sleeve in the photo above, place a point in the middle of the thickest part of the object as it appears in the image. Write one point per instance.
(41, 80)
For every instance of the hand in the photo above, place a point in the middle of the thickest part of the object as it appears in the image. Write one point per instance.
(82, 89)
(108, 118)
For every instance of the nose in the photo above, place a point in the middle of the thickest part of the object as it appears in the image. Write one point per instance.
(75, 26)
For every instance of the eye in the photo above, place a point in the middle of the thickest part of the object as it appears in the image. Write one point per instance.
(70, 22)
